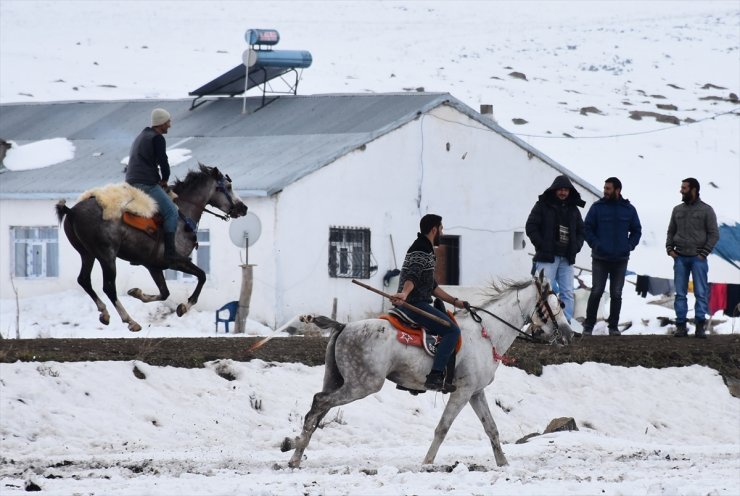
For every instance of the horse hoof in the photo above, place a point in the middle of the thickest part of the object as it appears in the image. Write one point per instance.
(287, 444)
(135, 292)
(104, 319)
(182, 309)
(134, 327)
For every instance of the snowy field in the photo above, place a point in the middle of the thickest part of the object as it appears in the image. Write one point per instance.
(95, 428)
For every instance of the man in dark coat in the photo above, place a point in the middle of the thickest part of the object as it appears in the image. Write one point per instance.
(147, 159)
(612, 231)
(416, 287)
(555, 228)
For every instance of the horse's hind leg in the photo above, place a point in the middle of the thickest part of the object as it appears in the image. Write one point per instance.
(322, 403)
(84, 280)
(453, 408)
(161, 283)
(480, 407)
(109, 288)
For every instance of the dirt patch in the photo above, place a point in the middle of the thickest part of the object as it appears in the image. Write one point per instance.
(721, 353)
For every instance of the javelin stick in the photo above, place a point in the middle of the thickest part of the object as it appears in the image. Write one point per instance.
(404, 304)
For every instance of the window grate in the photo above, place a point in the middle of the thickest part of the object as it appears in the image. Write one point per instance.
(349, 252)
(35, 251)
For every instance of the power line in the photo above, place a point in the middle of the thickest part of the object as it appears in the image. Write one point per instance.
(601, 136)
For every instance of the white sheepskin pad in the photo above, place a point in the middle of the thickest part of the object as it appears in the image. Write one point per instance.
(115, 199)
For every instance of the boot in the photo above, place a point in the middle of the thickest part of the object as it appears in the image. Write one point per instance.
(613, 331)
(681, 331)
(700, 331)
(435, 380)
(587, 331)
(170, 254)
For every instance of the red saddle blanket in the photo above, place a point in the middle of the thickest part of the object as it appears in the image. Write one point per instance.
(418, 336)
(146, 224)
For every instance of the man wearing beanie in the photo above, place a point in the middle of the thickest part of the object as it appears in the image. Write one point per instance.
(147, 159)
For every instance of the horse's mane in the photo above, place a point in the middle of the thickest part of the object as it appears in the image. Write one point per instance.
(194, 179)
(500, 288)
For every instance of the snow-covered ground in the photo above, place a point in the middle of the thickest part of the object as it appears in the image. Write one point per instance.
(95, 428)
(673, 431)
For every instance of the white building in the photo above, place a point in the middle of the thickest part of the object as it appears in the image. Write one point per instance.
(339, 183)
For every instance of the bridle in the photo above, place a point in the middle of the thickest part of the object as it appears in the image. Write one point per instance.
(221, 186)
(542, 309)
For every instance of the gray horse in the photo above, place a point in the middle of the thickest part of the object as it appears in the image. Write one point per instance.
(361, 355)
(96, 238)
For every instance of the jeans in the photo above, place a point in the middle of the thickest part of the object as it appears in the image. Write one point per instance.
(699, 270)
(449, 335)
(167, 207)
(602, 270)
(560, 275)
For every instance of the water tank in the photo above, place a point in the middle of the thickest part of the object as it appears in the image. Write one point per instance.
(262, 36)
(299, 59)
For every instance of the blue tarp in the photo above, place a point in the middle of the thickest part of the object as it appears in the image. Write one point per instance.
(728, 246)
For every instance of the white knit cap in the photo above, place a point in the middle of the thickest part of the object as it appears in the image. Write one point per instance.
(159, 116)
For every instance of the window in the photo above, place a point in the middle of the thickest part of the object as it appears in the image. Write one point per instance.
(349, 252)
(35, 251)
(202, 259)
(519, 243)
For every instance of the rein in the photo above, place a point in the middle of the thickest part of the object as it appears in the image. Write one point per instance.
(477, 318)
(220, 186)
(541, 301)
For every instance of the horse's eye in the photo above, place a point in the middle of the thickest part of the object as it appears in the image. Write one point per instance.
(562, 304)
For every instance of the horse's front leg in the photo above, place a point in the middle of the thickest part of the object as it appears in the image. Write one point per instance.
(480, 407)
(109, 288)
(191, 268)
(457, 401)
(161, 283)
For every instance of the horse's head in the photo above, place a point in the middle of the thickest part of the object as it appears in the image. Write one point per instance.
(548, 320)
(224, 197)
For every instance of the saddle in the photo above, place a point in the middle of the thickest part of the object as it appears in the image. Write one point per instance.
(410, 333)
(149, 225)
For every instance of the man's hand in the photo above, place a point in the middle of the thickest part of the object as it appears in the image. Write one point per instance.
(398, 298)
(672, 254)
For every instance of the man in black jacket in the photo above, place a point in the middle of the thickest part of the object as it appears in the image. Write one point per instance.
(416, 287)
(555, 228)
(147, 158)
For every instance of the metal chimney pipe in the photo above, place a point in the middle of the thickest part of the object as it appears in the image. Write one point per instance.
(486, 110)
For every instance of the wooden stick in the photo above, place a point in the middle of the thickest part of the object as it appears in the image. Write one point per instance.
(404, 304)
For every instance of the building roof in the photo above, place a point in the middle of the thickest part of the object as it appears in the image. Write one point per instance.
(263, 149)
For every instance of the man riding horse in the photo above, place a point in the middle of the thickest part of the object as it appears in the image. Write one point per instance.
(417, 286)
(147, 158)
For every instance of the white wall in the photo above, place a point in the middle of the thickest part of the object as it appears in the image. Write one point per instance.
(483, 197)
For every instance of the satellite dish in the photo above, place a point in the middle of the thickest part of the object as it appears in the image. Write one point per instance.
(245, 231)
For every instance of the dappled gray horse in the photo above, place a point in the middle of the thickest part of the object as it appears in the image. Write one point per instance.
(96, 237)
(361, 355)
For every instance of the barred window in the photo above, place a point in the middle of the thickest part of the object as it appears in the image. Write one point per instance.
(349, 252)
(35, 251)
(202, 259)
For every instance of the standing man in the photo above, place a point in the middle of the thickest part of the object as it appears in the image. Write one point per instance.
(555, 228)
(612, 231)
(148, 157)
(692, 234)
(416, 287)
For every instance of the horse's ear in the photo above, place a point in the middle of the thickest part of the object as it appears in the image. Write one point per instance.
(541, 275)
(216, 173)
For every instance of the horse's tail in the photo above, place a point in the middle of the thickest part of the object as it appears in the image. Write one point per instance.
(62, 210)
(332, 376)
